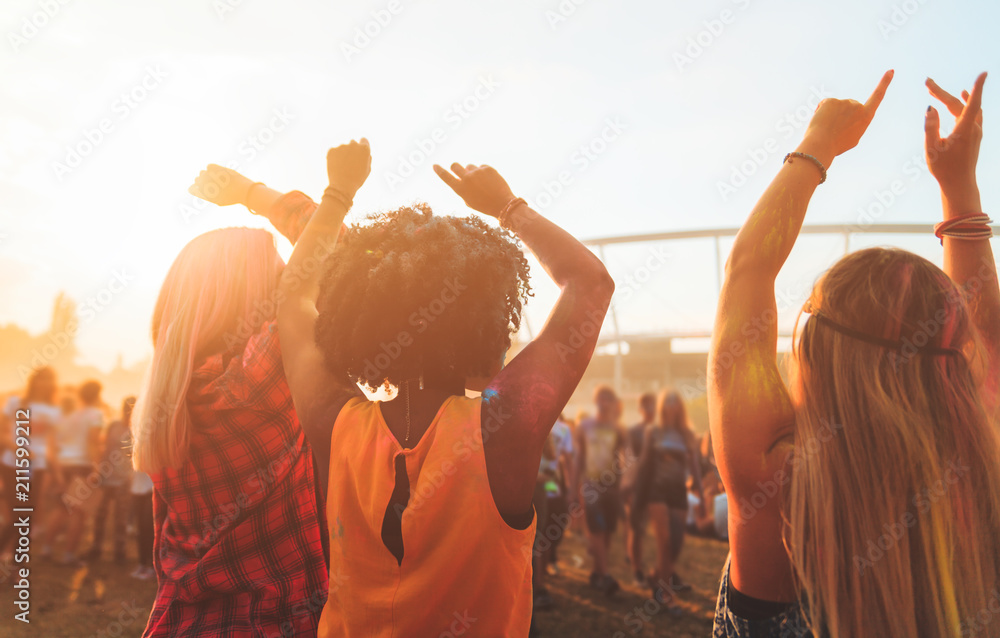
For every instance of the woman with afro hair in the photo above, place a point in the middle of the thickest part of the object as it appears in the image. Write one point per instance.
(429, 494)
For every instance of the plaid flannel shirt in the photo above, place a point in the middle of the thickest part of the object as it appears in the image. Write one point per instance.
(240, 546)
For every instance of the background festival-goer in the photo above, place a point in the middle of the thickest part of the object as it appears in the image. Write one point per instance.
(558, 501)
(114, 473)
(141, 492)
(239, 544)
(424, 519)
(670, 452)
(636, 513)
(893, 382)
(551, 509)
(599, 447)
(78, 441)
(38, 439)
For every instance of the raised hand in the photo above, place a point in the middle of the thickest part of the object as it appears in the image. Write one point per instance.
(348, 166)
(952, 160)
(221, 186)
(480, 187)
(838, 125)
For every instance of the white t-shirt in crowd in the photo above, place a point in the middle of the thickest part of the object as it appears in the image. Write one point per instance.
(42, 417)
(73, 432)
(141, 483)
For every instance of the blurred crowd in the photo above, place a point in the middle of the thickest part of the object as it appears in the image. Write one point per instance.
(67, 454)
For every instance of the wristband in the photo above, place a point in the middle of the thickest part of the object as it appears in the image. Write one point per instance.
(968, 226)
(819, 164)
(504, 214)
(339, 196)
(246, 199)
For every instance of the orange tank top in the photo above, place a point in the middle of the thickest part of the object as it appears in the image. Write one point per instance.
(464, 571)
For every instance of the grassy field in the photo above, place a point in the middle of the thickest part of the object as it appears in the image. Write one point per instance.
(101, 600)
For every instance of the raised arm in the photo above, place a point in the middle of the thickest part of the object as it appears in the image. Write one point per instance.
(749, 408)
(969, 262)
(288, 212)
(525, 398)
(317, 394)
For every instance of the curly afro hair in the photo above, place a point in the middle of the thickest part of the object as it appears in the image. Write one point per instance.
(410, 293)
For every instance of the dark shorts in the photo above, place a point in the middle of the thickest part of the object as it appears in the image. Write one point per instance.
(602, 506)
(674, 495)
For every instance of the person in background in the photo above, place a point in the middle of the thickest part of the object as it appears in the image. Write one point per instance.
(636, 513)
(38, 439)
(558, 494)
(79, 441)
(551, 508)
(669, 451)
(599, 446)
(67, 400)
(115, 474)
(141, 491)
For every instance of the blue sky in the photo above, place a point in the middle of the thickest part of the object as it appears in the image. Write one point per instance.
(612, 117)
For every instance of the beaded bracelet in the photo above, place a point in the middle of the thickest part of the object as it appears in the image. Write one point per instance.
(968, 226)
(507, 210)
(819, 164)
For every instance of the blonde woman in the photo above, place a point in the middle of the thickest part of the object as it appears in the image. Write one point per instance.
(866, 493)
(238, 546)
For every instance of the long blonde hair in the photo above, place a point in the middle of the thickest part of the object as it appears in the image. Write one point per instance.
(221, 288)
(893, 511)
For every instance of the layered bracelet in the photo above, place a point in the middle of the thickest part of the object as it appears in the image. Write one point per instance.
(969, 226)
(339, 196)
(806, 156)
(504, 216)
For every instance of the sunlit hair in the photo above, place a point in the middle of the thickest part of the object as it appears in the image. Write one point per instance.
(219, 291)
(128, 405)
(671, 413)
(892, 510)
(42, 387)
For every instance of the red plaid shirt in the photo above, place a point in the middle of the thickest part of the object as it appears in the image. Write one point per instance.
(240, 544)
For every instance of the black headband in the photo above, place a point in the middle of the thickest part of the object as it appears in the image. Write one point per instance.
(878, 341)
